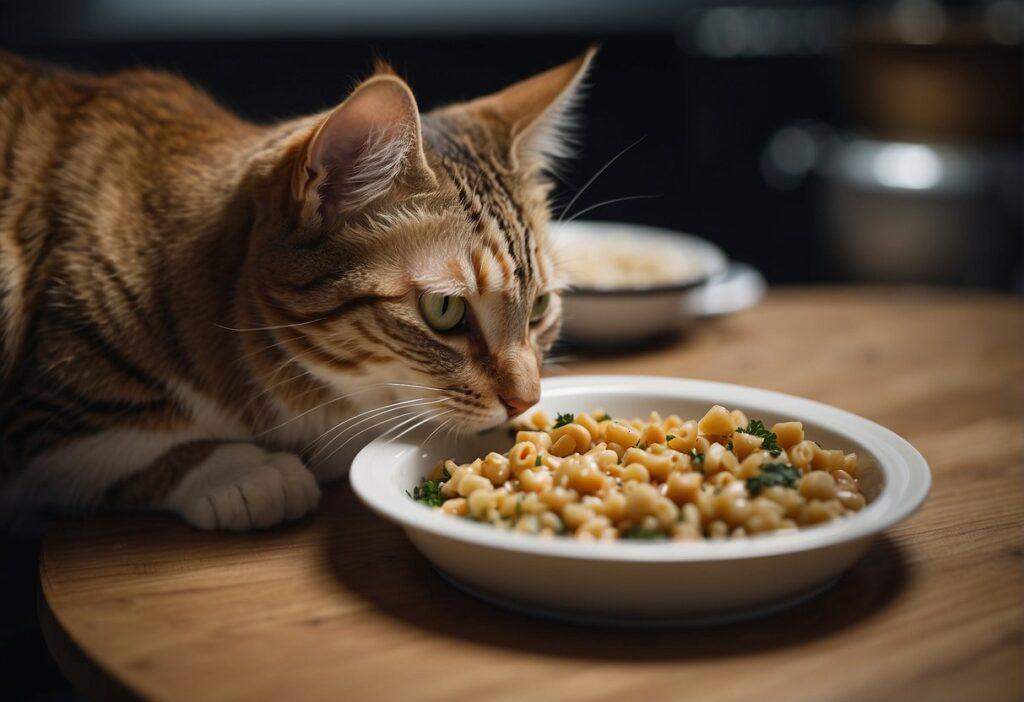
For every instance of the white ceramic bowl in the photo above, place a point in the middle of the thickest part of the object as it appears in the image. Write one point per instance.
(653, 583)
(711, 285)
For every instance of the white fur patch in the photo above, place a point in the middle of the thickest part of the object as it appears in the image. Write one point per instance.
(242, 487)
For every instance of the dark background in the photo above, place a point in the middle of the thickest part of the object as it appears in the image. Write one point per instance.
(746, 114)
(706, 90)
(703, 122)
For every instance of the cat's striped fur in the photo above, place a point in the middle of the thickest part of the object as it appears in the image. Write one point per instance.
(189, 301)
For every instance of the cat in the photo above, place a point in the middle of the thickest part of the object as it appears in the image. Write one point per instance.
(198, 312)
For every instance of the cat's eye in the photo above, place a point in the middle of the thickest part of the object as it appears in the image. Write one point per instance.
(540, 306)
(442, 312)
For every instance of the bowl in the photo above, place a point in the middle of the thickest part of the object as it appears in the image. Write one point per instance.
(651, 583)
(612, 313)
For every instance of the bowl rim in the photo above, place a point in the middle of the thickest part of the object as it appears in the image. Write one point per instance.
(907, 481)
(717, 263)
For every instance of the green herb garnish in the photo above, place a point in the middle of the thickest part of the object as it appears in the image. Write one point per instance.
(564, 419)
(519, 506)
(669, 437)
(756, 428)
(639, 532)
(773, 474)
(605, 417)
(538, 462)
(697, 460)
(429, 492)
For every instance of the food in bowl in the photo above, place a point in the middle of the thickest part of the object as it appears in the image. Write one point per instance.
(597, 477)
(615, 261)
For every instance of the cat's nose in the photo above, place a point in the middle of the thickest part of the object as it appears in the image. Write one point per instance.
(515, 405)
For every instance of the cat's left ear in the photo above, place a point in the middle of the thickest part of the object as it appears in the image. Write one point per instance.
(362, 148)
(535, 115)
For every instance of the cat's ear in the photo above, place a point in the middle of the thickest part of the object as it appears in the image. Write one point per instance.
(536, 114)
(358, 152)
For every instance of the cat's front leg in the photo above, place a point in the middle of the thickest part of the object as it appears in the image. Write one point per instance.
(233, 486)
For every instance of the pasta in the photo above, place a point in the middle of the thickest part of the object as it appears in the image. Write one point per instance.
(595, 477)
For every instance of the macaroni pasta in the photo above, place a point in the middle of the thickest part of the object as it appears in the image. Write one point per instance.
(595, 477)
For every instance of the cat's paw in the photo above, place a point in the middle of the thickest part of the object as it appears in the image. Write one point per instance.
(242, 487)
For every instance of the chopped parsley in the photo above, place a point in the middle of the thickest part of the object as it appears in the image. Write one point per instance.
(756, 428)
(519, 506)
(669, 437)
(640, 533)
(429, 492)
(698, 458)
(603, 417)
(538, 462)
(564, 419)
(773, 474)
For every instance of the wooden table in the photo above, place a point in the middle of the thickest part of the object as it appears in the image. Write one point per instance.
(342, 608)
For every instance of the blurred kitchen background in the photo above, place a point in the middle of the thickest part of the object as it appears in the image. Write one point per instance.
(819, 141)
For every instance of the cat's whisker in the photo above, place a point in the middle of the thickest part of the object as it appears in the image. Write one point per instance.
(460, 432)
(453, 427)
(411, 385)
(437, 429)
(418, 424)
(431, 435)
(340, 429)
(337, 398)
(339, 425)
(279, 342)
(271, 328)
(594, 177)
(432, 415)
(611, 202)
(401, 416)
(268, 389)
(301, 415)
(369, 388)
(372, 412)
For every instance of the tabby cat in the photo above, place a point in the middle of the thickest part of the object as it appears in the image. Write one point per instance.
(198, 312)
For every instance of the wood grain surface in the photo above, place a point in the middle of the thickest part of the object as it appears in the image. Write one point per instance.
(341, 607)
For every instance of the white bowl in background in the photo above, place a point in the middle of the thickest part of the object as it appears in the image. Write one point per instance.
(649, 583)
(603, 315)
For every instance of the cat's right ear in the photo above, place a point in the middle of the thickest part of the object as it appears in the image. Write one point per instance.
(361, 149)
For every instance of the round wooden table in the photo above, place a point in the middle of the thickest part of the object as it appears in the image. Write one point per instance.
(341, 606)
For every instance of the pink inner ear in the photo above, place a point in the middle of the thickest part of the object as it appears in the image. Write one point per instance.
(362, 145)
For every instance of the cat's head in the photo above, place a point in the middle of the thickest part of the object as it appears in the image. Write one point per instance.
(413, 248)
